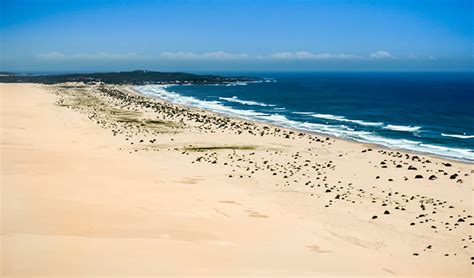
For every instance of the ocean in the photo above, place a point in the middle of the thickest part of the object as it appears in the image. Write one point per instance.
(430, 113)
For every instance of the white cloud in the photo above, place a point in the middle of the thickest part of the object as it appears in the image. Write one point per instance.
(304, 55)
(221, 55)
(57, 56)
(218, 55)
(381, 55)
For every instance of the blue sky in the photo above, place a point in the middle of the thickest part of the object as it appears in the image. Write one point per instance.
(85, 35)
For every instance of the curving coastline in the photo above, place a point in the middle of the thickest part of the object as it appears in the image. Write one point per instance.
(165, 92)
(121, 172)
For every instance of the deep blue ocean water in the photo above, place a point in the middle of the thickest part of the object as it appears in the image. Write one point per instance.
(424, 112)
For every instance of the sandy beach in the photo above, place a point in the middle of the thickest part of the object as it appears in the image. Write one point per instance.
(97, 181)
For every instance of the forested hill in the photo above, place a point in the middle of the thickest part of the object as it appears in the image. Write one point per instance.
(138, 77)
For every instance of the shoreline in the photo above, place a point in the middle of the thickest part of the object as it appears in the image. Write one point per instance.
(97, 181)
(369, 145)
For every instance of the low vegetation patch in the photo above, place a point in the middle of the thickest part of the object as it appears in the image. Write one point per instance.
(158, 123)
(213, 148)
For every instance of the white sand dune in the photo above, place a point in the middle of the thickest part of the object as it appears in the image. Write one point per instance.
(79, 201)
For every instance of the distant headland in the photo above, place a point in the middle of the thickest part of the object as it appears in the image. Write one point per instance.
(136, 77)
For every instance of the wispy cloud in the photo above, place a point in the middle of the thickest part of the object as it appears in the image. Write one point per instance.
(304, 55)
(381, 54)
(221, 55)
(215, 56)
(218, 55)
(57, 56)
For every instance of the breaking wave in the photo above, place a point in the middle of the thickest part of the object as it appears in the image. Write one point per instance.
(402, 128)
(460, 136)
(338, 130)
(245, 102)
(343, 119)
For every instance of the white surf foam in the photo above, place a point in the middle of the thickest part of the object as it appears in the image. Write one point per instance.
(243, 83)
(238, 83)
(344, 119)
(269, 80)
(361, 122)
(416, 146)
(334, 130)
(402, 128)
(328, 117)
(303, 113)
(460, 136)
(160, 91)
(245, 102)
